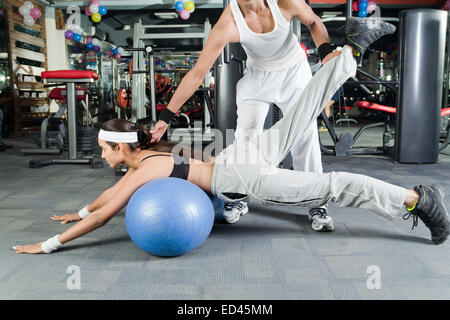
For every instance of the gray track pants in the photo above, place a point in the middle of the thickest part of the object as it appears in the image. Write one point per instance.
(250, 167)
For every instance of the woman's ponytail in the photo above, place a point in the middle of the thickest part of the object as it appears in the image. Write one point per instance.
(144, 136)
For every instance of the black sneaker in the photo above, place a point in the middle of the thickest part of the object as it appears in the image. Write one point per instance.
(431, 210)
(360, 33)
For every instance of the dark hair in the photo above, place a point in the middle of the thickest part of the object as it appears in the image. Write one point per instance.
(144, 138)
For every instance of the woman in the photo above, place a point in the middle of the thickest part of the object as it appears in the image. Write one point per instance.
(250, 169)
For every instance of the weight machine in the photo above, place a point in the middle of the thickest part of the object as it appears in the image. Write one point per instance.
(143, 53)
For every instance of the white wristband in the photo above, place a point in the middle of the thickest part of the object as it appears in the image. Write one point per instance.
(83, 213)
(51, 244)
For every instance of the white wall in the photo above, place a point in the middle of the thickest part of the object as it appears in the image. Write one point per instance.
(56, 47)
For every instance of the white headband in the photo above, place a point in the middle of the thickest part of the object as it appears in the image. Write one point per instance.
(112, 136)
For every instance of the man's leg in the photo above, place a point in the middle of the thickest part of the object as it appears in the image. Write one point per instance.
(251, 115)
(307, 157)
(274, 144)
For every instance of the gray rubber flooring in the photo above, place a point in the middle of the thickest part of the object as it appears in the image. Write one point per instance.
(272, 253)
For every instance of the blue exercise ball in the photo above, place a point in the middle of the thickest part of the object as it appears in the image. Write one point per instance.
(169, 217)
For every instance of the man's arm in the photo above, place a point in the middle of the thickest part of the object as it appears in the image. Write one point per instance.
(223, 32)
(301, 11)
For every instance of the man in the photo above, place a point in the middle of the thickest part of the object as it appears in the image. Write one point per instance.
(277, 72)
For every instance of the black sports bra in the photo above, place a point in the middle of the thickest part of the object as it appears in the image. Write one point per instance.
(180, 170)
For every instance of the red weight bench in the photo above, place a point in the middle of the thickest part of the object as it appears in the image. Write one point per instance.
(69, 78)
(445, 112)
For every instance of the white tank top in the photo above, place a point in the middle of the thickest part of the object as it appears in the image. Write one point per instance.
(274, 50)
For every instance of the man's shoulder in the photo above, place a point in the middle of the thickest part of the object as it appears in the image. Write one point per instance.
(289, 5)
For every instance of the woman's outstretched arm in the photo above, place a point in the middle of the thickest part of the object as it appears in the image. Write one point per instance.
(106, 196)
(101, 216)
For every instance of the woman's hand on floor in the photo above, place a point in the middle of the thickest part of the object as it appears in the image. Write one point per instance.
(29, 248)
(71, 217)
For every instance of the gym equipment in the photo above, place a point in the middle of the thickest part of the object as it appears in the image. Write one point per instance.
(142, 53)
(422, 51)
(142, 34)
(343, 145)
(123, 98)
(51, 141)
(70, 78)
(444, 138)
(169, 217)
(229, 69)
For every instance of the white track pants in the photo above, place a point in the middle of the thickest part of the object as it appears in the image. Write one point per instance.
(249, 167)
(257, 90)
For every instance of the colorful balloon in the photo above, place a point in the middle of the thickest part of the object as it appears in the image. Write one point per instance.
(355, 6)
(68, 34)
(96, 49)
(28, 4)
(363, 5)
(189, 6)
(118, 55)
(93, 8)
(97, 2)
(96, 42)
(179, 5)
(87, 11)
(102, 10)
(24, 11)
(371, 6)
(362, 13)
(77, 37)
(96, 17)
(88, 39)
(29, 21)
(89, 46)
(109, 53)
(35, 13)
(184, 14)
